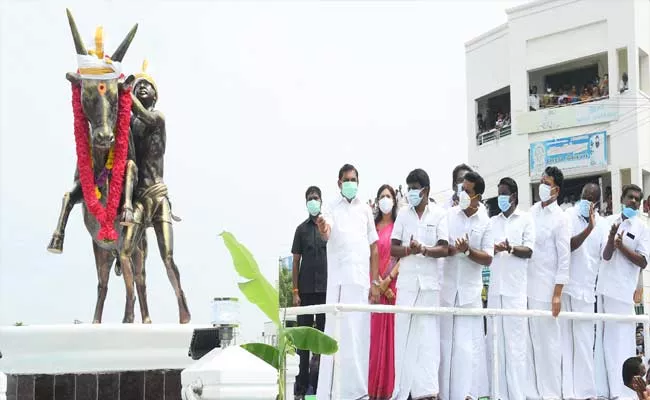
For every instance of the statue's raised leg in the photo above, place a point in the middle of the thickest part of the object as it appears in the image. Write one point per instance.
(69, 200)
(165, 237)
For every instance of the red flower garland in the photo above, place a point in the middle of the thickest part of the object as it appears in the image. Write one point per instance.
(104, 215)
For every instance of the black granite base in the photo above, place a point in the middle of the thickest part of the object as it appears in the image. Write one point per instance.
(125, 385)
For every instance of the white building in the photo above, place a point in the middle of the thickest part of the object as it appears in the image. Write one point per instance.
(562, 44)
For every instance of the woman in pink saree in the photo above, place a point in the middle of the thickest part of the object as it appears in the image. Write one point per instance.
(381, 371)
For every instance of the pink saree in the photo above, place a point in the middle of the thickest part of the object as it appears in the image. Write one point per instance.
(381, 371)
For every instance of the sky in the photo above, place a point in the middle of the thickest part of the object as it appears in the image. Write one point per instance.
(262, 100)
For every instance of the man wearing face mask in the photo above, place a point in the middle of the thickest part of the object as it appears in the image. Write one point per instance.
(457, 176)
(625, 253)
(514, 238)
(587, 233)
(349, 228)
(419, 239)
(309, 280)
(547, 274)
(462, 338)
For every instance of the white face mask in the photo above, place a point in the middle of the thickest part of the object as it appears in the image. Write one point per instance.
(459, 189)
(386, 205)
(464, 201)
(544, 192)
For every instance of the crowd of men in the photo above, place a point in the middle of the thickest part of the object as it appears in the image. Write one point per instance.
(433, 255)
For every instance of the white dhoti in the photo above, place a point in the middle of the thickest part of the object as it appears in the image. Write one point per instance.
(545, 351)
(354, 348)
(463, 359)
(578, 379)
(511, 347)
(417, 345)
(615, 343)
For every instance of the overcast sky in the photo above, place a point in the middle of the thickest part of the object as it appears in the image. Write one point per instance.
(262, 99)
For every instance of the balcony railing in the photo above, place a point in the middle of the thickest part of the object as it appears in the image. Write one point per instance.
(493, 134)
(335, 310)
(568, 116)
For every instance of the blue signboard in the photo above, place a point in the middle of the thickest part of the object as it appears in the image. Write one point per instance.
(582, 152)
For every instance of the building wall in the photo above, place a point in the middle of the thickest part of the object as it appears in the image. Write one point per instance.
(545, 33)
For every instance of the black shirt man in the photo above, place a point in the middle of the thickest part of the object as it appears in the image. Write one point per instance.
(309, 281)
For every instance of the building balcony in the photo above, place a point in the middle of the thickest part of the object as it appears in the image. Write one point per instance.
(582, 114)
(493, 134)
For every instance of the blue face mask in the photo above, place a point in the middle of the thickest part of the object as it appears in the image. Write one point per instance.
(504, 202)
(629, 212)
(584, 207)
(414, 197)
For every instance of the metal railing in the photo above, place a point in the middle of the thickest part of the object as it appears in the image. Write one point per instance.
(493, 134)
(337, 309)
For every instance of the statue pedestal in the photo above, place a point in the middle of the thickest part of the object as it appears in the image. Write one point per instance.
(95, 362)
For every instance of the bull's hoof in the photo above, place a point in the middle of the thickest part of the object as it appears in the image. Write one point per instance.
(96, 321)
(146, 320)
(118, 269)
(127, 217)
(128, 319)
(56, 244)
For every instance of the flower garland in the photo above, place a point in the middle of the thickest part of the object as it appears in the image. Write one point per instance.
(105, 215)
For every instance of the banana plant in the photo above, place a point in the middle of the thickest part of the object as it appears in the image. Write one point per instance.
(261, 293)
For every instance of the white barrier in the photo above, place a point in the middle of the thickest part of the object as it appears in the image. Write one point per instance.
(337, 309)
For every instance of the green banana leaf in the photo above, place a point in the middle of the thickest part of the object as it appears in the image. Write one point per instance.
(266, 353)
(244, 262)
(308, 338)
(260, 292)
(257, 289)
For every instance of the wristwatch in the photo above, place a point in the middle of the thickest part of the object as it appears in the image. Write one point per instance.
(376, 283)
(466, 252)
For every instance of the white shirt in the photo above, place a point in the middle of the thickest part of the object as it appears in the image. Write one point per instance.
(549, 264)
(463, 276)
(417, 270)
(618, 277)
(348, 248)
(508, 272)
(585, 260)
(533, 101)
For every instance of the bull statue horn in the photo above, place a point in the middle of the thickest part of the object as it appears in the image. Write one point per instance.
(119, 53)
(78, 43)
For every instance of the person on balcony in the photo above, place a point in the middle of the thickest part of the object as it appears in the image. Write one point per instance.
(547, 274)
(625, 254)
(309, 281)
(533, 99)
(514, 236)
(352, 278)
(463, 373)
(622, 86)
(419, 239)
(587, 233)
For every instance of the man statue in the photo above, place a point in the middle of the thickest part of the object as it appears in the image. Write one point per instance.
(151, 204)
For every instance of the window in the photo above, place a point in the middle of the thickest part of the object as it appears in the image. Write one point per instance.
(493, 116)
